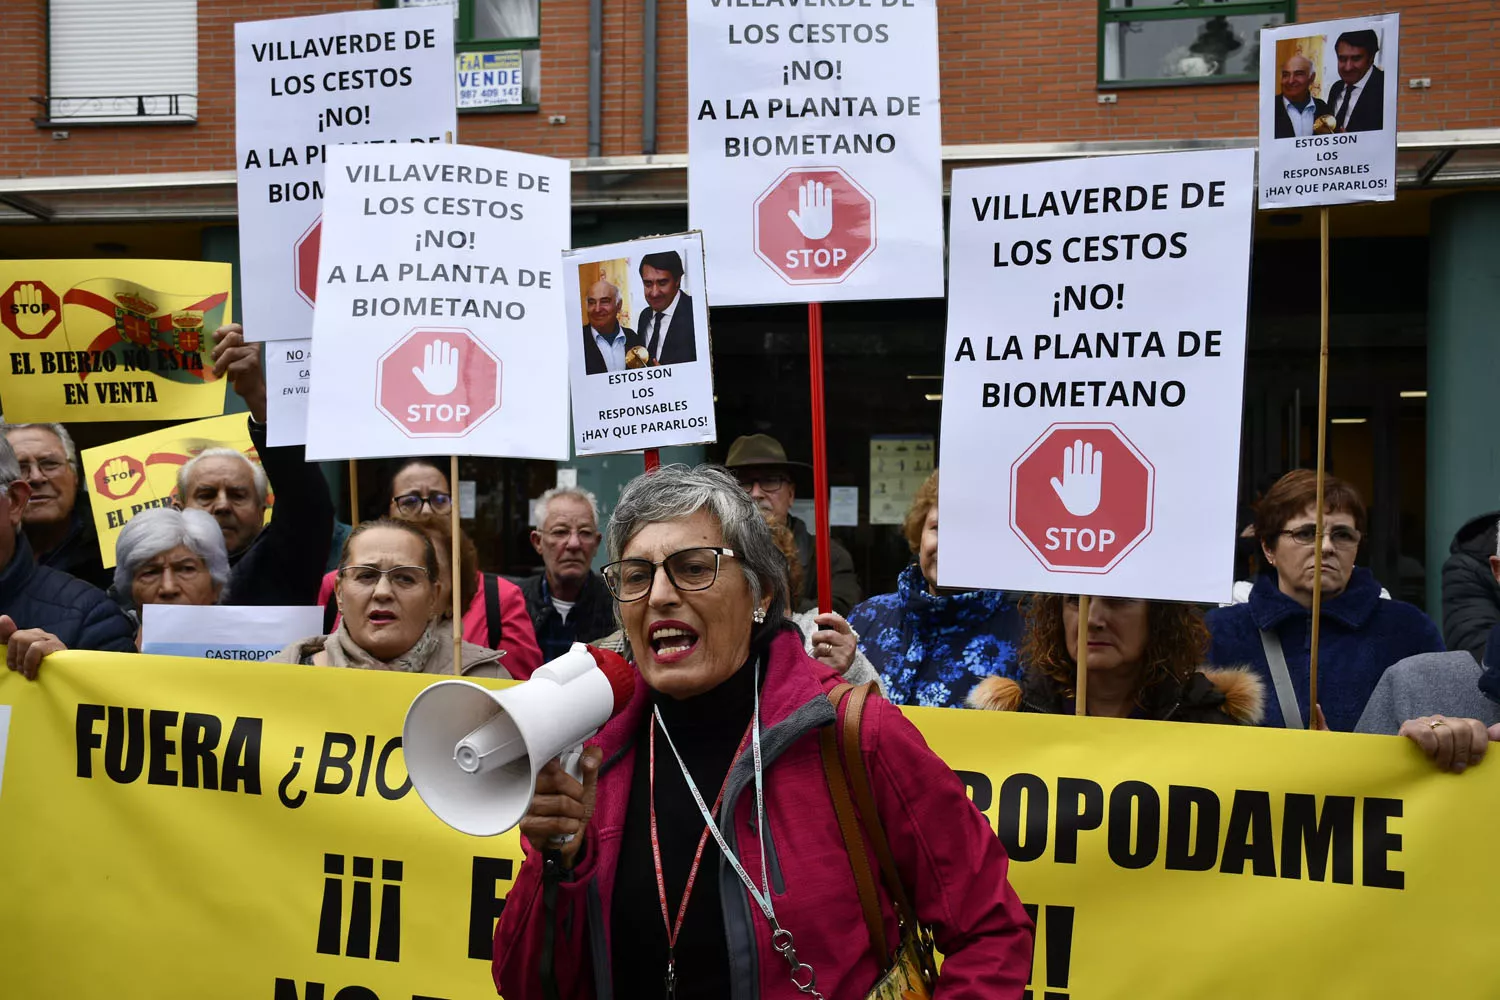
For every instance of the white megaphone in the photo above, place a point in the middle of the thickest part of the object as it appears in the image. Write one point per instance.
(473, 753)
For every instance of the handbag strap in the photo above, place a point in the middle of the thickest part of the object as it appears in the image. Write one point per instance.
(854, 843)
(1281, 677)
(864, 799)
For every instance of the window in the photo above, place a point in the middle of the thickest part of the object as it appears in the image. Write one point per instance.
(121, 61)
(498, 61)
(1183, 41)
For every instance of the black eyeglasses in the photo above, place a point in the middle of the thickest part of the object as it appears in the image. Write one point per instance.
(770, 482)
(410, 504)
(688, 569)
(1340, 536)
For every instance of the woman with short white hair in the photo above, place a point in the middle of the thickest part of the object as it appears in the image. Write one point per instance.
(168, 556)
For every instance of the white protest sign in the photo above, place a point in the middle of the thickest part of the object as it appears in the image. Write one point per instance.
(1328, 112)
(440, 310)
(1093, 375)
(302, 86)
(814, 149)
(216, 632)
(288, 366)
(638, 345)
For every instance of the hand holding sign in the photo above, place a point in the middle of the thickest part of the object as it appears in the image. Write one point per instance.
(439, 371)
(814, 215)
(1083, 474)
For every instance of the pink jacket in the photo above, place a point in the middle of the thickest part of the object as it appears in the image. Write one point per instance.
(950, 861)
(517, 636)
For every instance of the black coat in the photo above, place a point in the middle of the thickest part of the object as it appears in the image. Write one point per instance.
(592, 617)
(682, 343)
(1369, 113)
(79, 614)
(285, 563)
(78, 554)
(593, 358)
(846, 592)
(1471, 597)
(1284, 120)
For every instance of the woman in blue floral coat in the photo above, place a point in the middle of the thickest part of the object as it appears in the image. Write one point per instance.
(932, 646)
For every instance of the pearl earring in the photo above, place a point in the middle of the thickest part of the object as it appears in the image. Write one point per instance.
(759, 617)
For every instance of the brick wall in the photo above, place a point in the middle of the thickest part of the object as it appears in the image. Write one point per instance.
(1012, 71)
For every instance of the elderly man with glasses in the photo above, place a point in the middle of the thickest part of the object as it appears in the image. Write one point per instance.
(58, 522)
(568, 602)
(759, 462)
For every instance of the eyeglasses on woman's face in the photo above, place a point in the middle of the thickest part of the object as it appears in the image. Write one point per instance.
(404, 579)
(410, 504)
(688, 570)
(1342, 537)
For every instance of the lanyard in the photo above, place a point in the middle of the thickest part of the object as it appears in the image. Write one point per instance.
(674, 929)
(803, 976)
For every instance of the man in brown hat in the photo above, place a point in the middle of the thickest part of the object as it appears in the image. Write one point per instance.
(760, 463)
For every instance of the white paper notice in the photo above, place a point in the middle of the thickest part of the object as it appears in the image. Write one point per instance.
(288, 374)
(638, 345)
(843, 506)
(217, 632)
(303, 85)
(898, 467)
(4, 738)
(1099, 410)
(1328, 94)
(814, 150)
(440, 305)
(468, 498)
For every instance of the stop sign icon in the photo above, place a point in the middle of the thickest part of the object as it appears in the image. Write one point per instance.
(814, 225)
(1081, 497)
(438, 382)
(305, 261)
(30, 310)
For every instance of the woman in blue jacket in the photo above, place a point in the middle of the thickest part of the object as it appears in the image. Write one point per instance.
(1363, 632)
(932, 646)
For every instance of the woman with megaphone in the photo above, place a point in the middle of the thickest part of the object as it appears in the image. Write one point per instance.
(712, 847)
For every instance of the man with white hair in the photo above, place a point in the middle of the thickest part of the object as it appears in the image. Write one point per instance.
(277, 563)
(1295, 110)
(568, 602)
(605, 339)
(42, 609)
(59, 523)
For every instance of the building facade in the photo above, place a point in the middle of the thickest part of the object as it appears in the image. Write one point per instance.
(117, 123)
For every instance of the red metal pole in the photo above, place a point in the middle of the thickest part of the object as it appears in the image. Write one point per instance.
(820, 455)
(653, 460)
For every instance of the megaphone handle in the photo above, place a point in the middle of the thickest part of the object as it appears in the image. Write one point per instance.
(571, 761)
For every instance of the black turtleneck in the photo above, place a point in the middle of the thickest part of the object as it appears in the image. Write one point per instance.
(707, 730)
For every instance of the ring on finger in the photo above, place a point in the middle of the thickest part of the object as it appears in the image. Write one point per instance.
(1435, 723)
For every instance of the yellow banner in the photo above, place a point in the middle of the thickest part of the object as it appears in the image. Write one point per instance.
(90, 340)
(139, 473)
(189, 828)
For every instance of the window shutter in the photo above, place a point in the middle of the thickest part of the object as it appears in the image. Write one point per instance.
(114, 61)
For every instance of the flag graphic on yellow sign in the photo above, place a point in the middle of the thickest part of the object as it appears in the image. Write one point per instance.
(139, 473)
(93, 340)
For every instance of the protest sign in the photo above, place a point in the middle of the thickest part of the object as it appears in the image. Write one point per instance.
(262, 813)
(219, 632)
(1100, 404)
(303, 85)
(640, 366)
(288, 374)
(91, 340)
(1328, 112)
(814, 150)
(139, 473)
(440, 315)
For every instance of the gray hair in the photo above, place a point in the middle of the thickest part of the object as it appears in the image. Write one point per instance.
(576, 492)
(185, 476)
(674, 492)
(10, 466)
(56, 430)
(152, 532)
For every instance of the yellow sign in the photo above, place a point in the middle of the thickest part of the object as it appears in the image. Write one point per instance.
(191, 828)
(139, 473)
(90, 340)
